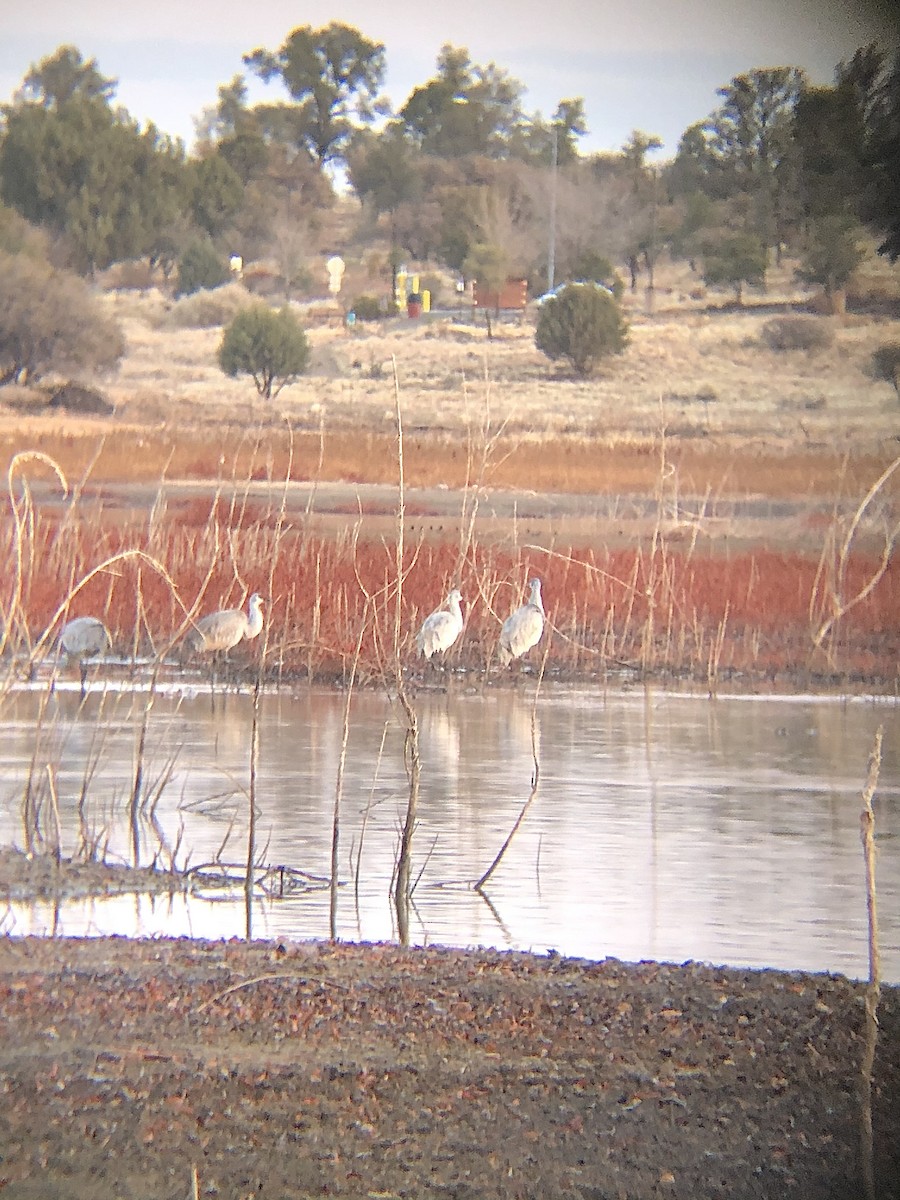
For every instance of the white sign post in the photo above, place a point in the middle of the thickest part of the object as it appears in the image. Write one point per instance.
(335, 269)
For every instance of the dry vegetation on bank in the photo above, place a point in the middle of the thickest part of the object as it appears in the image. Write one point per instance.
(698, 415)
(729, 405)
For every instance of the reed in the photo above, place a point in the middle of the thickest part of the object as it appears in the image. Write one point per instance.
(481, 882)
(339, 792)
(833, 596)
(873, 991)
(664, 606)
(402, 888)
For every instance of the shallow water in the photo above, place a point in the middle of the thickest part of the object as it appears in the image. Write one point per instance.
(665, 825)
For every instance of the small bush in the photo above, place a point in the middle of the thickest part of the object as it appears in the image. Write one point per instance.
(205, 309)
(735, 260)
(18, 236)
(886, 364)
(201, 266)
(51, 322)
(367, 308)
(75, 398)
(582, 323)
(592, 267)
(133, 275)
(797, 333)
(267, 345)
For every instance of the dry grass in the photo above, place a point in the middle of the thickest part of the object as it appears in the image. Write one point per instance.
(661, 608)
(733, 410)
(704, 375)
(693, 592)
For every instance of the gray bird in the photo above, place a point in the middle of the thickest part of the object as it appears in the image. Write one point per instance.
(523, 629)
(442, 627)
(83, 638)
(220, 631)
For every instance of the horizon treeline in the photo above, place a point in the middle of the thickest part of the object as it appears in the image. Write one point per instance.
(460, 177)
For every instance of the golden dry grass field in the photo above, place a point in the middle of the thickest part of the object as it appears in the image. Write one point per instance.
(737, 416)
(699, 442)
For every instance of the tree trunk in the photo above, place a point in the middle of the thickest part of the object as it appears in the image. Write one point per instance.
(837, 301)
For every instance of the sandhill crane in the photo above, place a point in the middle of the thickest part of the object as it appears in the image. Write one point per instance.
(522, 629)
(83, 638)
(442, 627)
(220, 631)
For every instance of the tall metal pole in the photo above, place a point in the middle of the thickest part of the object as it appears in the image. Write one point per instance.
(551, 251)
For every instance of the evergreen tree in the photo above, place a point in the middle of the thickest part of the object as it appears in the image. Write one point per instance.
(269, 346)
(465, 109)
(90, 175)
(583, 323)
(333, 75)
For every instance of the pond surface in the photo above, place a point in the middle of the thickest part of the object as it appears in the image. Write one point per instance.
(665, 825)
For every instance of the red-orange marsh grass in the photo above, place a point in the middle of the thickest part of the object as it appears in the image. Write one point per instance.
(662, 610)
(554, 463)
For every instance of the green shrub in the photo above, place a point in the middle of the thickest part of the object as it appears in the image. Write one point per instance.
(267, 345)
(51, 322)
(201, 266)
(797, 333)
(591, 266)
(582, 323)
(735, 260)
(831, 253)
(367, 308)
(886, 364)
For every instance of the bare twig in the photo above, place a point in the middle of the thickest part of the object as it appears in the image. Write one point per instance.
(339, 788)
(840, 605)
(535, 780)
(276, 975)
(873, 991)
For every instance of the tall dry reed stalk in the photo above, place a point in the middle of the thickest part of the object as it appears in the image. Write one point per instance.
(535, 781)
(402, 889)
(339, 791)
(12, 614)
(829, 601)
(873, 990)
(256, 721)
(250, 860)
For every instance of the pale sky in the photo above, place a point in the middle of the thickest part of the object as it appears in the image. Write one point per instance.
(637, 65)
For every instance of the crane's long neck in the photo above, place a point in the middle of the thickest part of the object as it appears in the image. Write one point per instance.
(255, 619)
(535, 597)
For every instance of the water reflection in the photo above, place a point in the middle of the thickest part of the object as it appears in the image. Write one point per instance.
(665, 826)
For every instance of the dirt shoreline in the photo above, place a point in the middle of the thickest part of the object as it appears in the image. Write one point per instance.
(224, 1069)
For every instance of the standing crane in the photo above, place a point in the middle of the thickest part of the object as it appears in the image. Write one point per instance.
(218, 632)
(523, 629)
(83, 638)
(442, 627)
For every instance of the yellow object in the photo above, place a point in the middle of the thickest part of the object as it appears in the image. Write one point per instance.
(426, 301)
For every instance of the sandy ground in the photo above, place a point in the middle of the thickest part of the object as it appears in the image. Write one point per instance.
(179, 1068)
